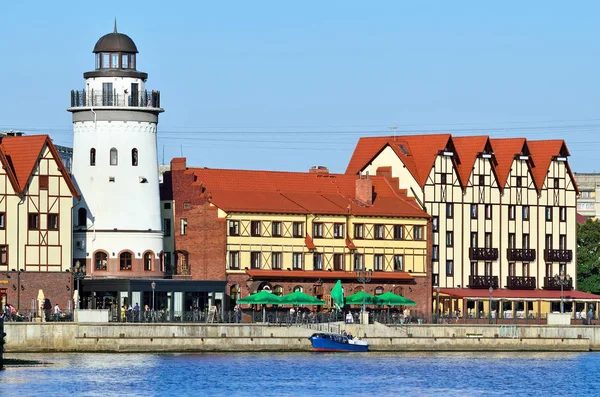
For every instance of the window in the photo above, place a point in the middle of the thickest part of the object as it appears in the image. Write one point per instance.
(297, 261)
(488, 269)
(276, 229)
(81, 217)
(488, 211)
(359, 230)
(114, 156)
(549, 270)
(52, 221)
(317, 261)
(183, 227)
(562, 242)
(525, 269)
(519, 181)
(378, 232)
(449, 210)
(378, 291)
(101, 261)
(132, 61)
(525, 212)
(449, 239)
(255, 260)
(481, 180)
(124, 63)
(97, 61)
(167, 227)
(338, 230)
(435, 252)
(473, 211)
(255, 228)
(134, 157)
(488, 240)
(359, 261)
(548, 241)
(298, 288)
(474, 269)
(418, 231)
(297, 229)
(148, 261)
(43, 180)
(105, 60)
(435, 223)
(276, 261)
(511, 269)
(562, 267)
(399, 263)
(512, 240)
(450, 268)
(33, 221)
(443, 179)
(525, 241)
(111, 178)
(378, 261)
(556, 183)
(473, 240)
(317, 230)
(167, 206)
(167, 259)
(234, 260)
(338, 262)
(511, 212)
(398, 232)
(114, 61)
(549, 214)
(563, 214)
(125, 261)
(2, 220)
(435, 279)
(234, 228)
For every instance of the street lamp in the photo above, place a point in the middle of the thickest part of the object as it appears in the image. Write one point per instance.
(437, 306)
(562, 280)
(153, 285)
(364, 276)
(78, 274)
(490, 304)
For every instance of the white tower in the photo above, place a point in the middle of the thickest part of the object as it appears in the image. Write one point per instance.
(117, 224)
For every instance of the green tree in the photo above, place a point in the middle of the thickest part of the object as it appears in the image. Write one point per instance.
(588, 256)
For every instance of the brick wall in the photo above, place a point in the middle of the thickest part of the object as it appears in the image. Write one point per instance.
(21, 290)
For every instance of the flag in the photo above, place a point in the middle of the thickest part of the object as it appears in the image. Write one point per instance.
(337, 294)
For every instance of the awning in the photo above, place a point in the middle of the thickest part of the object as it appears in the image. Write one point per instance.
(324, 275)
(519, 295)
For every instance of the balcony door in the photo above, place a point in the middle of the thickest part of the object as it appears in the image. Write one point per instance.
(107, 94)
(135, 95)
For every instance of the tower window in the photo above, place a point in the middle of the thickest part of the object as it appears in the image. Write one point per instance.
(97, 61)
(81, 217)
(124, 61)
(115, 61)
(105, 60)
(132, 61)
(92, 156)
(114, 156)
(134, 157)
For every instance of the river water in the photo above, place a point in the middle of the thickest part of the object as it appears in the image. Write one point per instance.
(305, 374)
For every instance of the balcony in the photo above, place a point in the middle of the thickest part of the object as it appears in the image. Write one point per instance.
(558, 255)
(143, 99)
(483, 254)
(483, 282)
(513, 282)
(523, 255)
(550, 283)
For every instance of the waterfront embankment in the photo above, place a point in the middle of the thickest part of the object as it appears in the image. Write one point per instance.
(168, 337)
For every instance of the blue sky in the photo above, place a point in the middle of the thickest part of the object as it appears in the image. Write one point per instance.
(286, 85)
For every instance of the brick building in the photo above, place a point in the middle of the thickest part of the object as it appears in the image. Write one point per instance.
(288, 231)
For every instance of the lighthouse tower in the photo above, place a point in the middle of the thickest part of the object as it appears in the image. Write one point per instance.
(117, 223)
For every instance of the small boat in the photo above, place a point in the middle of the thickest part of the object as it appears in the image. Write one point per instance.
(325, 342)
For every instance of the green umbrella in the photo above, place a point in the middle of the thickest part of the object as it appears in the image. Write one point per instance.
(300, 298)
(389, 298)
(359, 297)
(261, 298)
(337, 294)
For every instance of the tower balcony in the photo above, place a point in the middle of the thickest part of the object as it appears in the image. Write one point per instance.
(483, 254)
(524, 255)
(558, 255)
(98, 98)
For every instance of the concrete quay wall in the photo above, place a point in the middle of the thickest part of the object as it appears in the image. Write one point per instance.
(116, 337)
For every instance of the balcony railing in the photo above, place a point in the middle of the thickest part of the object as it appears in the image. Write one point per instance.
(550, 283)
(524, 255)
(143, 99)
(513, 282)
(558, 255)
(483, 254)
(483, 282)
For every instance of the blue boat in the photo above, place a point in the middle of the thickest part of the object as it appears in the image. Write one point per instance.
(325, 342)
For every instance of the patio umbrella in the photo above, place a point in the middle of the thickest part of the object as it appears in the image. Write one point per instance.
(40, 299)
(337, 294)
(299, 298)
(359, 297)
(261, 298)
(391, 299)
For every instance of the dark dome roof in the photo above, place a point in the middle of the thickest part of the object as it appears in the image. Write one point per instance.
(115, 42)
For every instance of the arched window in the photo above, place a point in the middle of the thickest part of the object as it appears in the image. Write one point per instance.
(278, 290)
(134, 157)
(92, 156)
(147, 261)
(101, 260)
(114, 156)
(298, 288)
(81, 217)
(378, 290)
(125, 261)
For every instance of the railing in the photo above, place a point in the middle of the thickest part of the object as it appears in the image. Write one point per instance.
(513, 282)
(483, 254)
(483, 282)
(524, 255)
(551, 283)
(558, 255)
(143, 99)
(32, 316)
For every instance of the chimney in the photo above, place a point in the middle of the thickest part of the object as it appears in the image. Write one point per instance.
(318, 169)
(364, 190)
(178, 164)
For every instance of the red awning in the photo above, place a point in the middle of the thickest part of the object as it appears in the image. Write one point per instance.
(337, 275)
(510, 294)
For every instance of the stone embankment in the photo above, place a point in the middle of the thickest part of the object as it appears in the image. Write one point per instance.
(116, 337)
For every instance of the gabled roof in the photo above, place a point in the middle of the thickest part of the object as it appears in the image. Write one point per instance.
(505, 150)
(542, 153)
(468, 148)
(417, 155)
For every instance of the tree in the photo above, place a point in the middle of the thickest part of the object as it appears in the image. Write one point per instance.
(588, 256)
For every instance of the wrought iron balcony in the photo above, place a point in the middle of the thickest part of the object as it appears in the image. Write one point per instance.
(514, 282)
(143, 99)
(558, 255)
(524, 255)
(483, 254)
(551, 283)
(483, 282)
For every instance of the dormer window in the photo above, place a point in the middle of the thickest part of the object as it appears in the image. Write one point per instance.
(124, 61)
(105, 61)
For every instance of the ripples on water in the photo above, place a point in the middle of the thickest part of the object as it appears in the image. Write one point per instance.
(409, 374)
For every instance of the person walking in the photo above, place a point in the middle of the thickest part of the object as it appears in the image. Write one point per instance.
(136, 313)
(47, 309)
(56, 312)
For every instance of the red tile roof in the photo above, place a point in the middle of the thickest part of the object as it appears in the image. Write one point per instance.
(467, 150)
(540, 294)
(542, 153)
(324, 275)
(580, 218)
(505, 150)
(298, 193)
